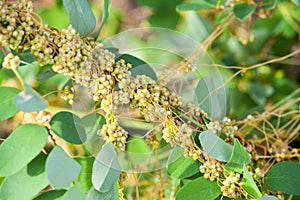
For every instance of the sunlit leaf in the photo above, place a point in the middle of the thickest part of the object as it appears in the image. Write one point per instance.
(106, 169)
(27, 182)
(85, 176)
(7, 105)
(249, 184)
(199, 189)
(81, 16)
(61, 169)
(24, 144)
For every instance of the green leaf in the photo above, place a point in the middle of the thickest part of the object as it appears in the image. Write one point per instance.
(199, 189)
(249, 184)
(81, 16)
(243, 10)
(268, 198)
(29, 100)
(1, 58)
(55, 16)
(45, 73)
(61, 169)
(75, 192)
(112, 194)
(238, 158)
(296, 2)
(259, 92)
(69, 127)
(180, 167)
(139, 67)
(25, 56)
(105, 15)
(195, 6)
(138, 145)
(284, 177)
(24, 144)
(85, 176)
(269, 4)
(51, 195)
(215, 146)
(7, 105)
(27, 182)
(106, 169)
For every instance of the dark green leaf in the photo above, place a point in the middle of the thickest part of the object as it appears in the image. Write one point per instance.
(45, 73)
(284, 177)
(106, 169)
(215, 146)
(29, 100)
(249, 184)
(7, 105)
(199, 189)
(139, 67)
(75, 192)
(27, 182)
(180, 167)
(69, 127)
(195, 6)
(105, 15)
(85, 176)
(61, 169)
(81, 16)
(1, 58)
(26, 56)
(243, 10)
(164, 19)
(238, 158)
(25, 143)
(51, 195)
(112, 194)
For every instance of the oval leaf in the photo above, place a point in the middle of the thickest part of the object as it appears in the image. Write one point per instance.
(51, 195)
(24, 144)
(238, 158)
(215, 146)
(249, 184)
(199, 189)
(106, 169)
(29, 100)
(243, 10)
(75, 192)
(81, 16)
(68, 126)
(7, 105)
(61, 169)
(284, 177)
(112, 194)
(27, 182)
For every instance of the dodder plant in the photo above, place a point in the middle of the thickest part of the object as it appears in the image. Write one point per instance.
(211, 159)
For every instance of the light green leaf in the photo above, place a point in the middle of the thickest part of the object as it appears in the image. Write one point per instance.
(112, 194)
(69, 127)
(249, 184)
(296, 2)
(195, 6)
(7, 105)
(199, 189)
(269, 4)
(27, 182)
(139, 67)
(268, 198)
(24, 144)
(259, 92)
(284, 177)
(85, 176)
(51, 195)
(180, 167)
(238, 158)
(243, 10)
(106, 169)
(29, 100)
(215, 146)
(75, 192)
(105, 15)
(61, 169)
(81, 16)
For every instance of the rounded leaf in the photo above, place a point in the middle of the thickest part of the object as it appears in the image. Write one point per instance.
(67, 126)
(51, 195)
(61, 169)
(7, 105)
(24, 144)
